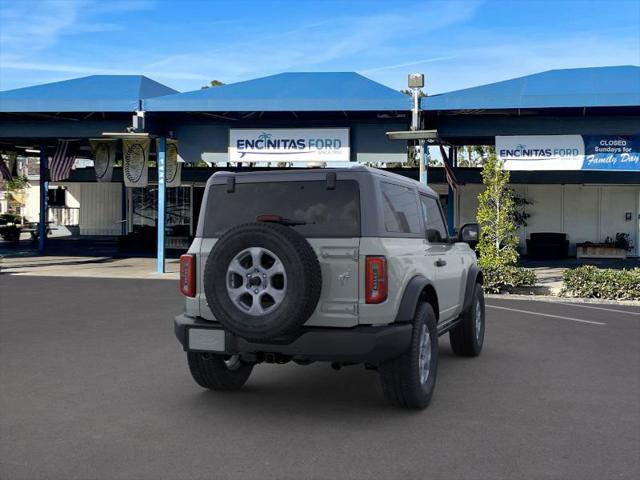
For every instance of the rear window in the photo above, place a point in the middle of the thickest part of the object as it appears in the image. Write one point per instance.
(327, 213)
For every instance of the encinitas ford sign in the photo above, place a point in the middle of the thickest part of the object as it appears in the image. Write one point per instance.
(289, 145)
(569, 152)
(541, 152)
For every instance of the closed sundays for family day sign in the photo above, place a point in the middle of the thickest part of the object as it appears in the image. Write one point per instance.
(569, 152)
(289, 145)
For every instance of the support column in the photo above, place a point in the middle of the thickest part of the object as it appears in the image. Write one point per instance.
(162, 190)
(124, 231)
(453, 158)
(424, 180)
(44, 199)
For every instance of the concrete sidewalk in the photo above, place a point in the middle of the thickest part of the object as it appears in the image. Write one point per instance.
(549, 280)
(95, 267)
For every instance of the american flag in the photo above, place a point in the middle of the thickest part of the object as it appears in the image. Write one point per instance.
(448, 170)
(4, 170)
(62, 161)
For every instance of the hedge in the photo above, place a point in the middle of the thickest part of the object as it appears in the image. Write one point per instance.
(591, 282)
(498, 278)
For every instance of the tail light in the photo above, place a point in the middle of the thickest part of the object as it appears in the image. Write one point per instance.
(188, 275)
(376, 280)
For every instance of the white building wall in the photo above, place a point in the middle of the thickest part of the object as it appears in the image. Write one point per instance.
(546, 210)
(100, 208)
(581, 215)
(73, 195)
(615, 202)
(32, 202)
(583, 212)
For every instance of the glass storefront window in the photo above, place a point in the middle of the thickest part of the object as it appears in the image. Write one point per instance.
(144, 213)
(179, 206)
(144, 207)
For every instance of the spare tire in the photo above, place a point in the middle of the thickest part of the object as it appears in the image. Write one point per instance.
(262, 280)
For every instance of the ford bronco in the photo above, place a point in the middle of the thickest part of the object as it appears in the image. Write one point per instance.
(348, 266)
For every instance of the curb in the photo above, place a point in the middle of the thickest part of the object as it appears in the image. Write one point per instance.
(534, 290)
(555, 299)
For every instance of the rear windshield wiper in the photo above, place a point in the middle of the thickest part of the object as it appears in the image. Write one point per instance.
(281, 220)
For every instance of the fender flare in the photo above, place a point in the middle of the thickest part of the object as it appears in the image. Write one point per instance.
(473, 276)
(410, 298)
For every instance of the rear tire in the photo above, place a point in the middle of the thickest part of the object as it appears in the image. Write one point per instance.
(218, 372)
(467, 338)
(404, 382)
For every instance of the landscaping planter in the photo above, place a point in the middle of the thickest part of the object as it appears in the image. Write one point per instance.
(599, 250)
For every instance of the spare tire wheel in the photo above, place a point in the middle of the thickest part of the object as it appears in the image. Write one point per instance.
(262, 280)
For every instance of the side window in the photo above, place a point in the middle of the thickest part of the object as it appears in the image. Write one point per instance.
(400, 206)
(434, 224)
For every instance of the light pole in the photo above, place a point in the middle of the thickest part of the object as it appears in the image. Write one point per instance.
(416, 83)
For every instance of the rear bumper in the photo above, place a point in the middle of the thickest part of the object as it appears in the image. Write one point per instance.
(361, 344)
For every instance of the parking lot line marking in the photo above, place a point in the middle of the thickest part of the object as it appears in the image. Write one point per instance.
(597, 308)
(546, 315)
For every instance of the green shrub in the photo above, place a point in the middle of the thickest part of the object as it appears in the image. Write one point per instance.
(501, 277)
(592, 282)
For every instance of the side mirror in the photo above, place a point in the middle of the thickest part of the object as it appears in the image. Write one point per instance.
(469, 233)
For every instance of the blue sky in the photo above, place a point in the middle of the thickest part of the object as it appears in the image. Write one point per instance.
(184, 44)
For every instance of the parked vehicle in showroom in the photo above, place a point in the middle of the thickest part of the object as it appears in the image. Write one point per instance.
(339, 265)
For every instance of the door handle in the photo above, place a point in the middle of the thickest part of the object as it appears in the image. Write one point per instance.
(440, 262)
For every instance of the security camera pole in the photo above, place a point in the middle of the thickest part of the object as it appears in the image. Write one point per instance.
(416, 83)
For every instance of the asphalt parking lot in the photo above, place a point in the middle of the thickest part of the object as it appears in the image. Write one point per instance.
(93, 385)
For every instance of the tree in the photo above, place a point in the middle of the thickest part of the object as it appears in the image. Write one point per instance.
(412, 159)
(15, 194)
(474, 155)
(409, 93)
(496, 213)
(213, 83)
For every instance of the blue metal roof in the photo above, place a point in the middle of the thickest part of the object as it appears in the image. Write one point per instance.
(307, 91)
(577, 87)
(96, 93)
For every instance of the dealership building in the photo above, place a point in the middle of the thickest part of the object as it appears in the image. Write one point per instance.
(570, 137)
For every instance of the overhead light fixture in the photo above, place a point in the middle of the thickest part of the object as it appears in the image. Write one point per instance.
(391, 115)
(31, 150)
(414, 135)
(415, 80)
(126, 134)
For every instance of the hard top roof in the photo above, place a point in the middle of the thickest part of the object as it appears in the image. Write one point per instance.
(317, 174)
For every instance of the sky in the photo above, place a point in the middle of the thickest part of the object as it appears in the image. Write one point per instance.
(185, 44)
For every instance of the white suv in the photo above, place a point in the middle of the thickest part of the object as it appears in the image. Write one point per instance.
(340, 265)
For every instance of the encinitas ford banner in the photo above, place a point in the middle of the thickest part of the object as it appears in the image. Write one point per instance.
(569, 152)
(289, 145)
(541, 152)
(612, 153)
